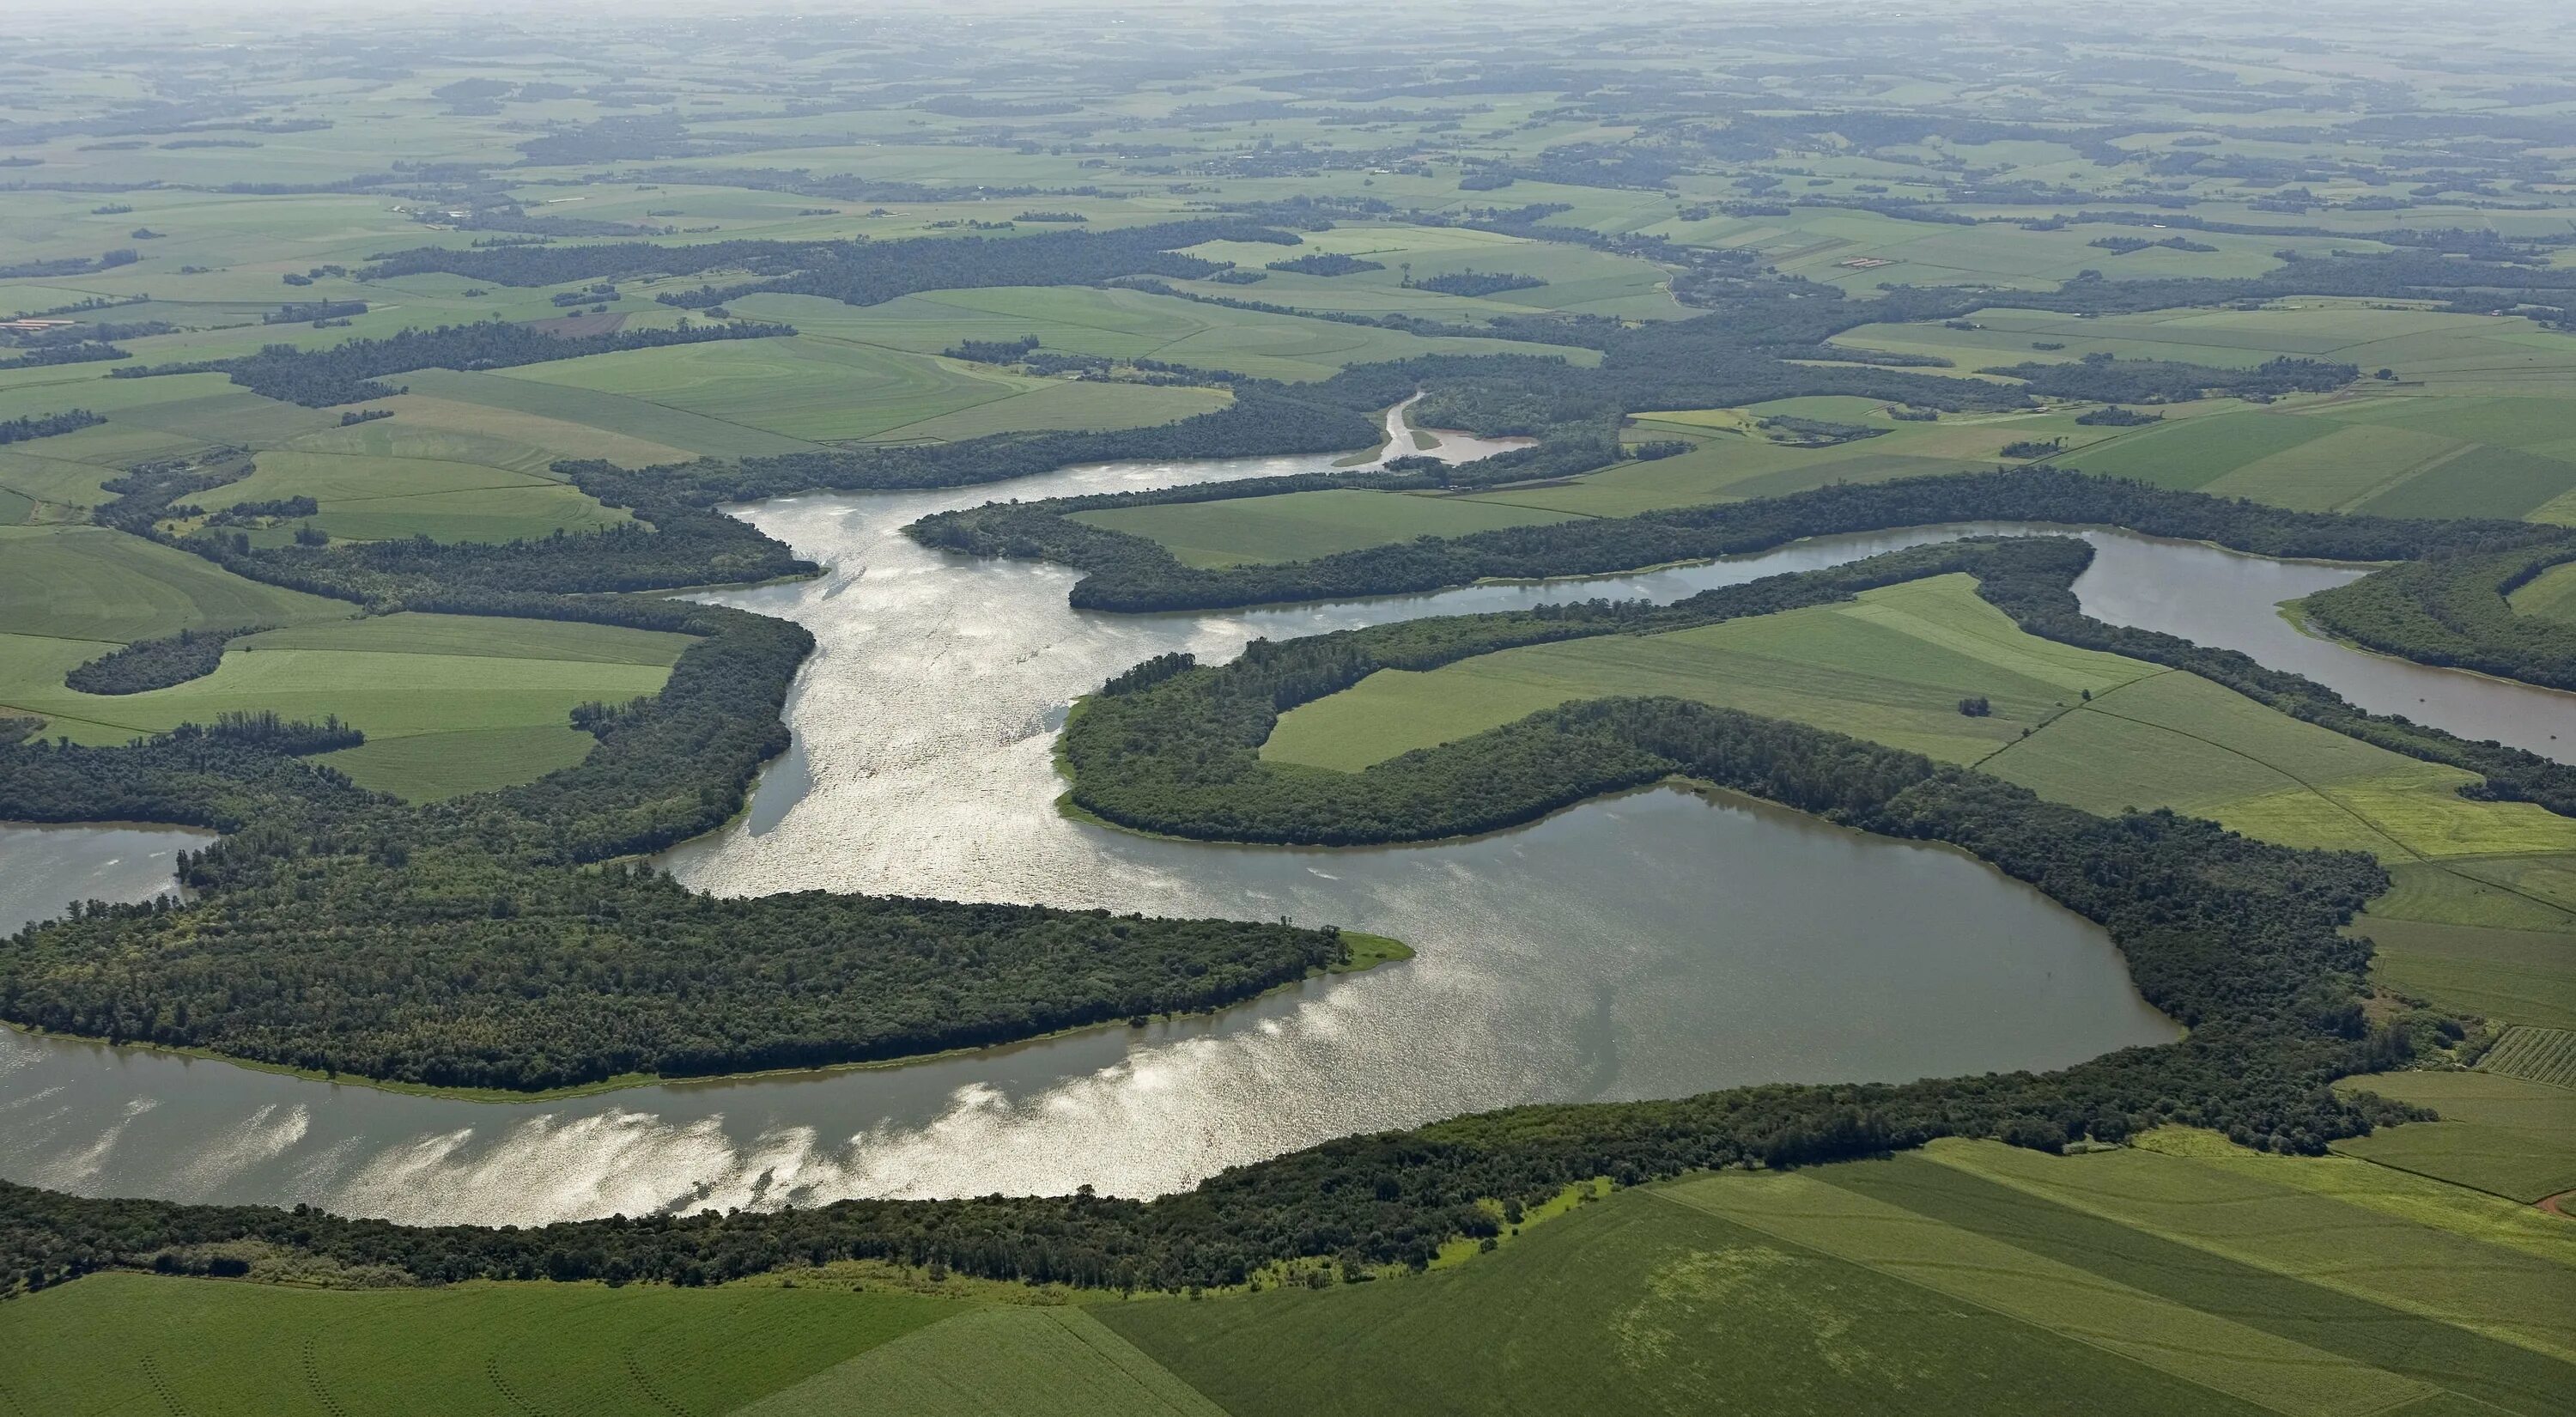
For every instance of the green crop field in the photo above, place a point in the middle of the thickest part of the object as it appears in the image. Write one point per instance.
(809, 387)
(365, 497)
(121, 1343)
(1892, 667)
(450, 704)
(1859, 208)
(1299, 526)
(2476, 421)
(2535, 1055)
(1127, 324)
(90, 584)
(2551, 595)
(2501, 1134)
(1003, 1362)
(2130, 1281)
(2483, 916)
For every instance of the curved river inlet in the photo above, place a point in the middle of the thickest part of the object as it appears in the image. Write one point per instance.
(1655, 945)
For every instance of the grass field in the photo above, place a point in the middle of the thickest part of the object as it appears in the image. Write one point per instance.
(2483, 914)
(79, 583)
(2505, 1135)
(450, 704)
(123, 1343)
(1894, 665)
(2477, 420)
(1302, 525)
(1967, 1277)
(2534, 1055)
(1001, 1362)
(822, 389)
(2551, 595)
(367, 497)
(1126, 324)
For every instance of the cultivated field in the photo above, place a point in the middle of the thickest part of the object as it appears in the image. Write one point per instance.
(2214, 1280)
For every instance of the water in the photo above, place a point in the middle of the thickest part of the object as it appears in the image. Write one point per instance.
(1654, 945)
(2228, 599)
(43, 869)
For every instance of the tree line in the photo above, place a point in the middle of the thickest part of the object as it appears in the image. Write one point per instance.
(2451, 610)
(1135, 574)
(348, 372)
(479, 941)
(856, 272)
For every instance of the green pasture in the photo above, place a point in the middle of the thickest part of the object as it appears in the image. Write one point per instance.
(1126, 324)
(369, 498)
(449, 704)
(1970, 1276)
(1300, 526)
(88, 584)
(125, 1343)
(1891, 666)
(2496, 971)
(2534, 1055)
(2505, 1135)
(2456, 1303)
(996, 1362)
(2177, 740)
(1731, 460)
(2478, 420)
(2551, 595)
(1579, 280)
(808, 387)
(440, 430)
(563, 405)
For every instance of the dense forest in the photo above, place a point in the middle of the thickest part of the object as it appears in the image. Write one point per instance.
(2451, 610)
(855, 272)
(490, 940)
(347, 372)
(47, 425)
(2101, 378)
(156, 664)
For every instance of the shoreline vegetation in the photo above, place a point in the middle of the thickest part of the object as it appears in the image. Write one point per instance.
(499, 939)
(1367, 952)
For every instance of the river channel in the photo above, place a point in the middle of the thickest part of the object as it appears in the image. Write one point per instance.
(1657, 944)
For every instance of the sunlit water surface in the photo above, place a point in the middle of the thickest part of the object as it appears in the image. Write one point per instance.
(1657, 944)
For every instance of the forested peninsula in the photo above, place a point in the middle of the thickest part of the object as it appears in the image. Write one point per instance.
(505, 939)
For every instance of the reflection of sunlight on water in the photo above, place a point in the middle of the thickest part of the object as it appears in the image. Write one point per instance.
(269, 1133)
(1653, 946)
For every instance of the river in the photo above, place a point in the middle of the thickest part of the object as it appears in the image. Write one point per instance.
(1657, 944)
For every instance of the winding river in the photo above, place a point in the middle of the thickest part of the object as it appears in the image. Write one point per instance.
(1657, 944)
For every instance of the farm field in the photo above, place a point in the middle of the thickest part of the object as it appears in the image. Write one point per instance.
(1126, 324)
(2475, 419)
(1682, 212)
(121, 1343)
(1299, 526)
(2551, 595)
(995, 1362)
(1894, 666)
(2484, 913)
(449, 704)
(2130, 1281)
(365, 497)
(2183, 1274)
(81, 583)
(2508, 1136)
